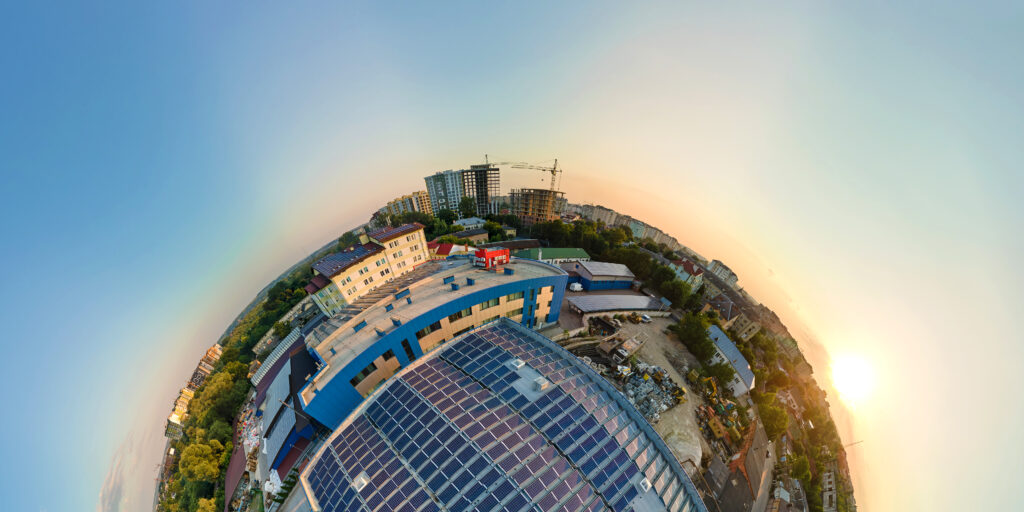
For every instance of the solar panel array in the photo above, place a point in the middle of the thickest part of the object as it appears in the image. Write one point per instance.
(331, 264)
(456, 433)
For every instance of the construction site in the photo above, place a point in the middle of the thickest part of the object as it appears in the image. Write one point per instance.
(661, 378)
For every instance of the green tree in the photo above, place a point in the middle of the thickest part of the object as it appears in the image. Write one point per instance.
(347, 240)
(494, 231)
(207, 505)
(614, 237)
(774, 418)
(281, 329)
(801, 469)
(199, 462)
(447, 216)
(722, 372)
(675, 291)
(694, 335)
(220, 430)
(467, 207)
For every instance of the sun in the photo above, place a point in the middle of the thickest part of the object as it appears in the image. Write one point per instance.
(853, 377)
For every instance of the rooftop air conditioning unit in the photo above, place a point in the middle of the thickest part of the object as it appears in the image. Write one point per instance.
(645, 484)
(361, 481)
(517, 363)
(540, 384)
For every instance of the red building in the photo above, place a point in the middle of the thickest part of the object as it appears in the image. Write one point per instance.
(491, 257)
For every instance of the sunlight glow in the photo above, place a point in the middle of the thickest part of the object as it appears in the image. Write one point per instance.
(853, 377)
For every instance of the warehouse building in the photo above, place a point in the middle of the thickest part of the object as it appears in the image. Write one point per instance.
(598, 275)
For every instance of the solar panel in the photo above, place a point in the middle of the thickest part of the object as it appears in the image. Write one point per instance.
(454, 424)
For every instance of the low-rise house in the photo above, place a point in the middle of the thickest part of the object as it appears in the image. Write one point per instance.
(688, 272)
(470, 223)
(726, 352)
(732, 316)
(473, 235)
(439, 251)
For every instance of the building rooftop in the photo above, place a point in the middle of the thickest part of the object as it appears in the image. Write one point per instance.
(732, 354)
(385, 234)
(470, 232)
(269, 365)
(316, 284)
(498, 419)
(689, 267)
(331, 265)
(345, 343)
(603, 269)
(512, 245)
(470, 221)
(552, 253)
(726, 308)
(609, 302)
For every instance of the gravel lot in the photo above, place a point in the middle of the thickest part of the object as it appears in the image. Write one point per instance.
(678, 426)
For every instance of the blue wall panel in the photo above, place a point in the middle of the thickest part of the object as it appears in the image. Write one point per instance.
(605, 285)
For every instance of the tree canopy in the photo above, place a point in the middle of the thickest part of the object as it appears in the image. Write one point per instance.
(467, 207)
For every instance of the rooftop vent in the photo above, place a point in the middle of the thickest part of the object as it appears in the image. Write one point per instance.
(540, 384)
(380, 332)
(360, 481)
(396, 321)
(516, 363)
(470, 281)
(645, 485)
(509, 271)
(455, 286)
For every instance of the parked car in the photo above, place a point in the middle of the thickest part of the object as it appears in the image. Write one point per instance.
(645, 319)
(575, 287)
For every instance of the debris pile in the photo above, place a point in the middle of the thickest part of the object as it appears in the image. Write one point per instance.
(652, 391)
(597, 367)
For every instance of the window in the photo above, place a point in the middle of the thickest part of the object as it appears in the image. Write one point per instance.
(514, 313)
(491, 319)
(408, 350)
(428, 329)
(533, 294)
(489, 304)
(461, 314)
(467, 329)
(390, 354)
(514, 296)
(549, 305)
(364, 373)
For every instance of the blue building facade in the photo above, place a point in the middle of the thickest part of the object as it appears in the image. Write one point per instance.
(335, 399)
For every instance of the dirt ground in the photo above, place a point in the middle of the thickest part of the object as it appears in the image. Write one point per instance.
(677, 426)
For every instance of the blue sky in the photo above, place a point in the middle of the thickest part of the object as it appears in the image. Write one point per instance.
(858, 166)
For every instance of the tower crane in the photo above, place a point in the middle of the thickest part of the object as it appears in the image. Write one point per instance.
(553, 170)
